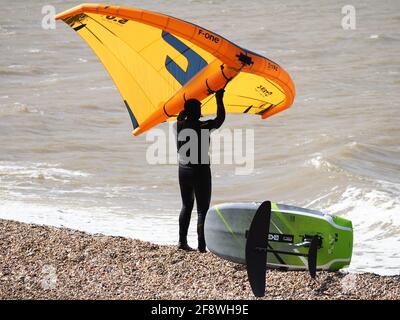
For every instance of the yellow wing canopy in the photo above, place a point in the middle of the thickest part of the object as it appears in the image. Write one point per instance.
(157, 62)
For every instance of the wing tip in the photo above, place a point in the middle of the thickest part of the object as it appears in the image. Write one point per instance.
(136, 132)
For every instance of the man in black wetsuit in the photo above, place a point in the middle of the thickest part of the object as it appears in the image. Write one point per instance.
(193, 143)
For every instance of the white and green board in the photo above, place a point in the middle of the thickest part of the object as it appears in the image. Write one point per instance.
(290, 230)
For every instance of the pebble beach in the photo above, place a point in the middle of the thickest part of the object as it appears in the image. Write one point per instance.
(41, 262)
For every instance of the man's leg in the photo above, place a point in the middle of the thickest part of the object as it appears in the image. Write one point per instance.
(187, 195)
(202, 191)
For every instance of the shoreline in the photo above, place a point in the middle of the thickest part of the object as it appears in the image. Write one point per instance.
(43, 262)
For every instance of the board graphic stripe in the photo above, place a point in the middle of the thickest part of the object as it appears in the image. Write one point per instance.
(228, 226)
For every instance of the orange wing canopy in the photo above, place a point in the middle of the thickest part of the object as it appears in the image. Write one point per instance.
(157, 62)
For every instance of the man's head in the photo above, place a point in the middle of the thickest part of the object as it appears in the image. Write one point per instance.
(193, 109)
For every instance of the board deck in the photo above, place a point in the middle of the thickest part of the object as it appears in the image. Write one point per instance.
(227, 225)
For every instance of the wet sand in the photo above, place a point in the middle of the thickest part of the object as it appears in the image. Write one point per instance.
(41, 262)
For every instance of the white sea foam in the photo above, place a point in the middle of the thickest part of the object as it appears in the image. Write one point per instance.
(38, 170)
(376, 221)
(34, 50)
(318, 162)
(94, 220)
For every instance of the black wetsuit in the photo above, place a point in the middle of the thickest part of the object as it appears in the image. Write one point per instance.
(195, 175)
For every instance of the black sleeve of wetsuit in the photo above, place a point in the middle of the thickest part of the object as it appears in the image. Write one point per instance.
(219, 120)
(181, 116)
(180, 120)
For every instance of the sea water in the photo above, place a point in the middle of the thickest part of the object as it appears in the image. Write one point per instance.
(67, 157)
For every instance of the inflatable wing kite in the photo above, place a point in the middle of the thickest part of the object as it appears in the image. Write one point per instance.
(157, 62)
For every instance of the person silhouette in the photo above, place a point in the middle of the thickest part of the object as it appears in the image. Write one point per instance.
(193, 140)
